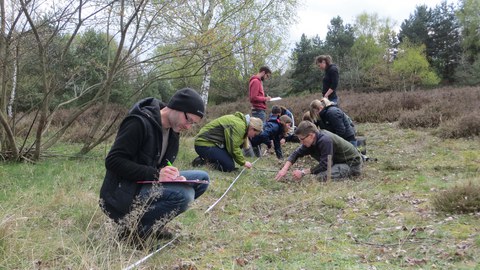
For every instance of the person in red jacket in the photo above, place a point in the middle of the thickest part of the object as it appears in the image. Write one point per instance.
(257, 95)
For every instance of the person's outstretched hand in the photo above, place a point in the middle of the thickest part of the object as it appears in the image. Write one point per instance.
(280, 174)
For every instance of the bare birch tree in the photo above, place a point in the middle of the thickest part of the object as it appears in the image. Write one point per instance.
(127, 23)
(198, 34)
(213, 30)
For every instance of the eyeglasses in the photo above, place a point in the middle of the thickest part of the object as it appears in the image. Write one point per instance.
(189, 121)
(301, 139)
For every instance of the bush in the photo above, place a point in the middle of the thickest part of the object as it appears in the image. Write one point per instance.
(422, 118)
(465, 127)
(374, 107)
(463, 198)
(454, 111)
(80, 129)
(413, 101)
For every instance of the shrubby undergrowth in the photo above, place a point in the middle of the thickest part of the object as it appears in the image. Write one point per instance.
(464, 198)
(449, 112)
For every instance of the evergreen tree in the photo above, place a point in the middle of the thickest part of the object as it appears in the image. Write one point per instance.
(415, 28)
(469, 19)
(445, 48)
(306, 75)
(339, 39)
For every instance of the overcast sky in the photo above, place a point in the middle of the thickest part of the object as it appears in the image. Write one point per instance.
(314, 15)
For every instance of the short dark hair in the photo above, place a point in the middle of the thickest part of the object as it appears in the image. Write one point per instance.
(276, 109)
(305, 128)
(266, 69)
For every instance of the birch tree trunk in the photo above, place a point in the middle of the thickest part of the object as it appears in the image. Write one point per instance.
(14, 86)
(206, 79)
(7, 138)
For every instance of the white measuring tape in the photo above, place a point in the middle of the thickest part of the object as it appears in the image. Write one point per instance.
(171, 241)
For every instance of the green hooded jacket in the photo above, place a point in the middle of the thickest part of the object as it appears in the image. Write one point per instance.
(228, 132)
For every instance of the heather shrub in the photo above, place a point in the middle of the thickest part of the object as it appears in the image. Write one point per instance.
(464, 127)
(453, 111)
(413, 100)
(76, 134)
(463, 198)
(80, 128)
(215, 111)
(374, 107)
(60, 117)
(423, 118)
(23, 124)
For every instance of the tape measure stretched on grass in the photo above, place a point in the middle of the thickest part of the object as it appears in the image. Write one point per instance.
(226, 191)
(208, 210)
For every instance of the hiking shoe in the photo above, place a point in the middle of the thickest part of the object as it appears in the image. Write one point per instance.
(198, 161)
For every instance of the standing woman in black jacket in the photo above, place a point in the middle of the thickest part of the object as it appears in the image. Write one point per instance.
(331, 77)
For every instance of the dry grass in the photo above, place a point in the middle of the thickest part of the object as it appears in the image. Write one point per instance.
(386, 219)
(462, 198)
(50, 219)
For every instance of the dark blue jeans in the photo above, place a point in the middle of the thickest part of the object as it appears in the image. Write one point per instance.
(336, 100)
(165, 201)
(259, 114)
(218, 157)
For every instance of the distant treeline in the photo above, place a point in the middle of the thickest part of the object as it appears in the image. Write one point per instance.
(439, 45)
(74, 57)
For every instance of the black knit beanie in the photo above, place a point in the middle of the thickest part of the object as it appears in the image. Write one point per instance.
(187, 100)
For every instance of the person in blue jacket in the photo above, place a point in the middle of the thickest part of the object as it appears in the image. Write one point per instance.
(282, 110)
(275, 129)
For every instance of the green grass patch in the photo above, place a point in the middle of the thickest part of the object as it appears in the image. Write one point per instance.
(387, 218)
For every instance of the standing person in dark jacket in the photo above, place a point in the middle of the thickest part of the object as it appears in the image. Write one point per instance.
(136, 192)
(330, 79)
(274, 130)
(257, 96)
(327, 115)
(346, 160)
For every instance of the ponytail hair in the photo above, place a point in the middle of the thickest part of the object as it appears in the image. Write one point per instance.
(316, 105)
(284, 120)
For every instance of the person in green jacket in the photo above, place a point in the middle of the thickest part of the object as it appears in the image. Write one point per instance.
(319, 144)
(219, 142)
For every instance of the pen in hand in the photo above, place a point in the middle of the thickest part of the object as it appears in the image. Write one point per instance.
(178, 177)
